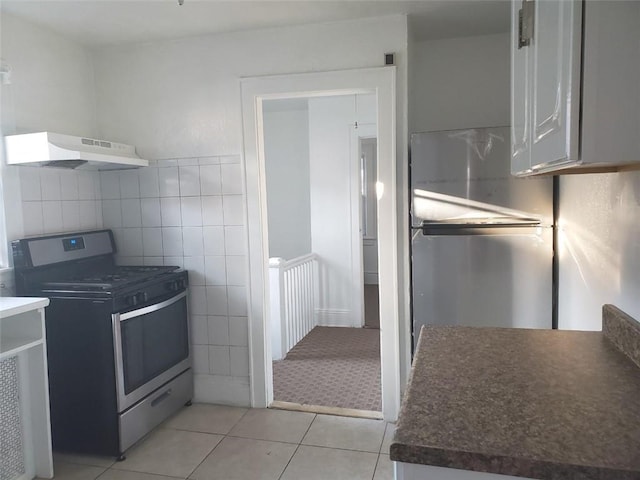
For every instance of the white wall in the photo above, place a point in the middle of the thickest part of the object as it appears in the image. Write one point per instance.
(332, 135)
(599, 247)
(181, 99)
(52, 89)
(460, 83)
(286, 145)
(331, 121)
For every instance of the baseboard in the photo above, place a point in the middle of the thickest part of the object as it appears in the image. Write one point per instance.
(326, 317)
(221, 390)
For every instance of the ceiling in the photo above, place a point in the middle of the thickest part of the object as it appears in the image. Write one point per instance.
(98, 23)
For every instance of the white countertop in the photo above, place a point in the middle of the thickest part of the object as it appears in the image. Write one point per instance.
(10, 306)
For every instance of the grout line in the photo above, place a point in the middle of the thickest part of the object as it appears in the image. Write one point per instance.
(298, 447)
(376, 467)
(207, 456)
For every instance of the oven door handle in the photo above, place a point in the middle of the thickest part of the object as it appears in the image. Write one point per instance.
(151, 308)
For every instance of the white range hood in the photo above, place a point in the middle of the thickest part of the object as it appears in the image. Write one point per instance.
(48, 149)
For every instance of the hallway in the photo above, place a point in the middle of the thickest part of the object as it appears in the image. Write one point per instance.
(333, 367)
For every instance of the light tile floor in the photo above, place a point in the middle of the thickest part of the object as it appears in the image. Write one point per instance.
(211, 442)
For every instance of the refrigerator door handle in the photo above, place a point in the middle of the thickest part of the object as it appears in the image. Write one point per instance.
(477, 229)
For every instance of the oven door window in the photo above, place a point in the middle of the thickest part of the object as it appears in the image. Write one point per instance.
(152, 343)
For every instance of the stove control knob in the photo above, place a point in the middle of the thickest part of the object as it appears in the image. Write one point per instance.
(132, 300)
(173, 286)
(142, 297)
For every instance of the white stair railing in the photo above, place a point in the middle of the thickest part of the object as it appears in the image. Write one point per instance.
(292, 286)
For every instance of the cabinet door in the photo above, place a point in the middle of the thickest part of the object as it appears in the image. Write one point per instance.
(520, 96)
(556, 49)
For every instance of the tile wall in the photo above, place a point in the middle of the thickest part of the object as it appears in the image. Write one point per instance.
(56, 200)
(191, 212)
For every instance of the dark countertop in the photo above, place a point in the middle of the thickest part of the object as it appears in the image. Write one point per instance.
(545, 404)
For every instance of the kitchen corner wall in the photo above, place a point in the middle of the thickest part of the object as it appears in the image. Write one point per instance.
(190, 212)
(181, 99)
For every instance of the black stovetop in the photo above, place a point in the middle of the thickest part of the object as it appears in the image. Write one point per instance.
(115, 278)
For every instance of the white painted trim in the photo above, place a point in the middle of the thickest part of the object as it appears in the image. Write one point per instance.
(254, 90)
(357, 265)
(335, 317)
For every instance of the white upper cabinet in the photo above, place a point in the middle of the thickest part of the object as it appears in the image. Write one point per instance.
(567, 94)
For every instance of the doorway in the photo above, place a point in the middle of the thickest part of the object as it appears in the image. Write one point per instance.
(320, 177)
(255, 91)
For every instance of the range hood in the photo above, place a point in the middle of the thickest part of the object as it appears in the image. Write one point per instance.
(48, 149)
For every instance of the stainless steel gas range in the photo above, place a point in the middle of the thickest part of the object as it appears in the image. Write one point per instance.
(117, 340)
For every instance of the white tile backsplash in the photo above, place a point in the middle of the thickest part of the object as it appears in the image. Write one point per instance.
(52, 216)
(199, 330)
(210, 180)
(30, 184)
(236, 270)
(235, 241)
(195, 266)
(238, 331)
(150, 210)
(226, 159)
(129, 242)
(32, 218)
(149, 184)
(200, 358)
(217, 300)
(152, 242)
(237, 301)
(129, 184)
(177, 261)
(172, 241)
(50, 184)
(239, 357)
(170, 212)
(168, 181)
(209, 161)
(231, 179)
(192, 241)
(112, 213)
(212, 212)
(218, 330)
(190, 212)
(87, 211)
(153, 261)
(189, 181)
(131, 213)
(110, 185)
(219, 360)
(197, 300)
(70, 215)
(191, 208)
(213, 240)
(233, 207)
(69, 185)
(215, 271)
(87, 185)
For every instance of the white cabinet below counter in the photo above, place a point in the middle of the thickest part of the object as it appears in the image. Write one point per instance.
(575, 86)
(25, 431)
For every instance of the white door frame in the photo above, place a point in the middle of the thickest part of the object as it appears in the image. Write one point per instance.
(254, 90)
(358, 132)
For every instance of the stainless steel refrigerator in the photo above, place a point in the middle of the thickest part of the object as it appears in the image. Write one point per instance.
(482, 240)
